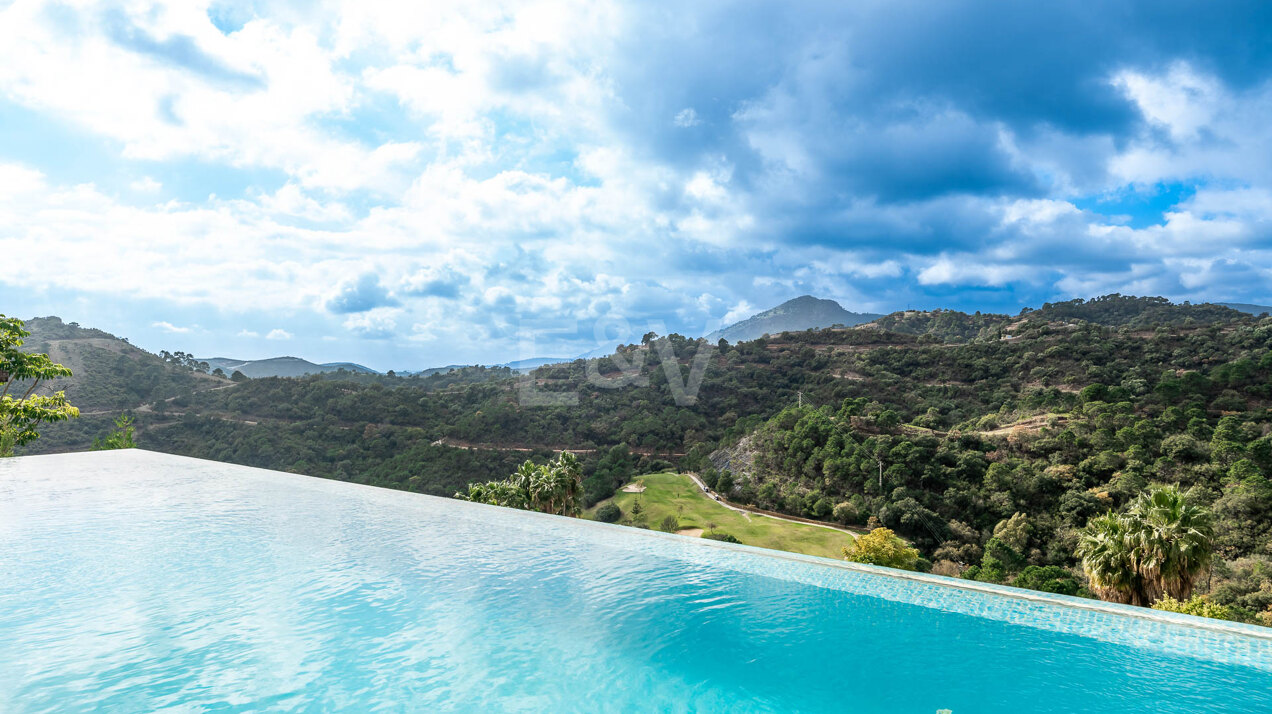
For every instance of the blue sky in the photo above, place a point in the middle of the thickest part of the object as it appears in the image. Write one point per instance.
(415, 184)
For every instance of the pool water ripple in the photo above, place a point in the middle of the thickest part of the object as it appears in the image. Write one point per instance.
(132, 581)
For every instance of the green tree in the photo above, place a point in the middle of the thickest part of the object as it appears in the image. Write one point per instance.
(20, 417)
(1048, 578)
(1174, 546)
(555, 487)
(1105, 551)
(1160, 546)
(724, 485)
(120, 438)
(882, 547)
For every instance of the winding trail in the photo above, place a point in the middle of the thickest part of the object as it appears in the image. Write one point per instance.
(748, 512)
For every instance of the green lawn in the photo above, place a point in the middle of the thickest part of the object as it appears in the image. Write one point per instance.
(676, 495)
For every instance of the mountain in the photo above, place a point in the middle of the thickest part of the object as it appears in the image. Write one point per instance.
(1248, 308)
(802, 313)
(281, 367)
(109, 374)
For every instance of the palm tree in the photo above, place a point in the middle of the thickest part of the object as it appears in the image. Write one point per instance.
(1161, 546)
(538, 484)
(1174, 542)
(568, 479)
(1105, 552)
(556, 487)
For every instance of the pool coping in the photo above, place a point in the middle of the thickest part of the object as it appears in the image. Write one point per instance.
(1065, 601)
(1068, 601)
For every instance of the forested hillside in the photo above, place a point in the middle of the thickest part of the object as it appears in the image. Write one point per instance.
(995, 453)
(985, 440)
(109, 377)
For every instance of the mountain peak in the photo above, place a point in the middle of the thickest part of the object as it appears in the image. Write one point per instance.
(797, 314)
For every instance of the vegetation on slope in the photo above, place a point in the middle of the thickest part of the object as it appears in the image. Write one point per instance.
(999, 437)
(672, 502)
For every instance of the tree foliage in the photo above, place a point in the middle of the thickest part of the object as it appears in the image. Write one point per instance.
(22, 373)
(555, 487)
(121, 437)
(1198, 605)
(882, 547)
(1159, 547)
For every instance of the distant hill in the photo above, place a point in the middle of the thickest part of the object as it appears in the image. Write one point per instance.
(109, 374)
(1248, 308)
(802, 313)
(521, 366)
(529, 365)
(109, 377)
(1127, 310)
(1108, 310)
(281, 367)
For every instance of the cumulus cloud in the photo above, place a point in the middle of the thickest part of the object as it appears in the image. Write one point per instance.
(170, 328)
(360, 295)
(380, 323)
(378, 164)
(435, 282)
(278, 333)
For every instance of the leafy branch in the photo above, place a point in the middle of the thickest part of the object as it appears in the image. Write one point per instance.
(20, 417)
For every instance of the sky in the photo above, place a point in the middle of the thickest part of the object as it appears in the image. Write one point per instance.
(408, 185)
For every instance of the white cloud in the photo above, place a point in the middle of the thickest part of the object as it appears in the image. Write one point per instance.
(278, 334)
(1212, 131)
(686, 117)
(170, 328)
(18, 180)
(248, 333)
(738, 312)
(1182, 100)
(380, 323)
(968, 269)
(488, 162)
(167, 84)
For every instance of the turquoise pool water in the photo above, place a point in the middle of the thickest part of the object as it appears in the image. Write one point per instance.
(133, 581)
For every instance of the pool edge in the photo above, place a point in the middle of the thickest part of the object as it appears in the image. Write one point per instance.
(1159, 616)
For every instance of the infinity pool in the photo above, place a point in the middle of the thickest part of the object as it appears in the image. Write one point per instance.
(135, 581)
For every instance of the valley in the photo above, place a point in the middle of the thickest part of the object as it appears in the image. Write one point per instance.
(942, 426)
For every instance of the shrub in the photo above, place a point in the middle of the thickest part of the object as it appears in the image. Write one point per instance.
(882, 547)
(609, 513)
(1198, 605)
(845, 513)
(721, 536)
(670, 524)
(1049, 579)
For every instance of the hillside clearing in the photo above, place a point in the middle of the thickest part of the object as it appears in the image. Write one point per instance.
(676, 495)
